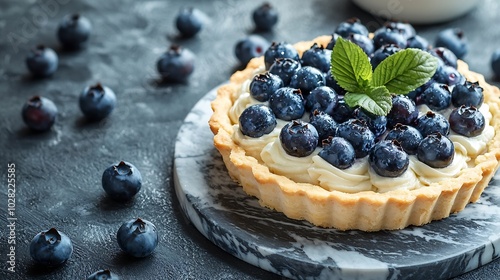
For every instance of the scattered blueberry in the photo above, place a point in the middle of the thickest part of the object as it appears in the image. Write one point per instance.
(307, 78)
(257, 120)
(467, 121)
(317, 57)
(287, 104)
(408, 136)
(332, 41)
(431, 122)
(386, 36)
(137, 237)
(338, 152)
(250, 47)
(324, 124)
(445, 55)
(377, 124)
(436, 150)
(382, 53)
(388, 159)
(364, 42)
(265, 17)
(189, 21)
(51, 247)
(437, 96)
(299, 138)
(403, 111)
(495, 63)
(280, 50)
(263, 85)
(448, 75)
(350, 26)
(42, 61)
(39, 113)
(322, 99)
(358, 134)
(103, 274)
(74, 30)
(285, 68)
(176, 64)
(97, 102)
(121, 181)
(342, 111)
(468, 94)
(454, 40)
(417, 42)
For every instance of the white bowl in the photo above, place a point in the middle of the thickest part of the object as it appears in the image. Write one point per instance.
(417, 11)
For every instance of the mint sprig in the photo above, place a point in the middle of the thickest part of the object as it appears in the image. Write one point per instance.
(399, 73)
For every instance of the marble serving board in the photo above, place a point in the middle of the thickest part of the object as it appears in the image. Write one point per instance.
(235, 222)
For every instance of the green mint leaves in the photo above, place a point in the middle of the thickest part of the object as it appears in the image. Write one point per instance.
(400, 73)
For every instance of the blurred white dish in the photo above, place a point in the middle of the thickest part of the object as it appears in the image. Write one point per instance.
(417, 11)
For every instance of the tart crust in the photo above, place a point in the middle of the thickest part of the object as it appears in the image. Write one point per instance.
(367, 210)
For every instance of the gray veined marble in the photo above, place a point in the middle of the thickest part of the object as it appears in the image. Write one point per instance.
(235, 222)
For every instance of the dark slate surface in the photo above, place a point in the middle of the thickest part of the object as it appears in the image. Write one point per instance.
(58, 173)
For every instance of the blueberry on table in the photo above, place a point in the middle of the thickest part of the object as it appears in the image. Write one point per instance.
(257, 120)
(324, 124)
(74, 30)
(454, 40)
(436, 150)
(137, 237)
(42, 61)
(317, 57)
(103, 274)
(189, 21)
(437, 96)
(388, 159)
(468, 94)
(287, 104)
(51, 248)
(298, 138)
(176, 64)
(250, 47)
(279, 50)
(307, 78)
(495, 63)
(338, 152)
(467, 121)
(264, 85)
(431, 122)
(121, 181)
(358, 134)
(285, 68)
(408, 137)
(97, 102)
(265, 17)
(39, 113)
(351, 26)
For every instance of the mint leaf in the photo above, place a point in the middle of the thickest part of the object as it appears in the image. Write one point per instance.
(350, 66)
(405, 71)
(376, 100)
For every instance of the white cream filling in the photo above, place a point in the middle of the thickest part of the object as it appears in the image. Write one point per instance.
(428, 175)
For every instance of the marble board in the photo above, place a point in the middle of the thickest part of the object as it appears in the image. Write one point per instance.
(235, 222)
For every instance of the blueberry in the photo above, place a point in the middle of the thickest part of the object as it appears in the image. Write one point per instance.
(338, 152)
(121, 181)
(417, 42)
(388, 159)
(386, 36)
(403, 111)
(404, 28)
(365, 43)
(437, 96)
(468, 94)
(250, 47)
(467, 121)
(137, 237)
(103, 274)
(322, 99)
(324, 124)
(42, 61)
(317, 57)
(189, 21)
(51, 248)
(287, 104)
(431, 122)
(298, 138)
(454, 40)
(408, 136)
(358, 134)
(448, 75)
(436, 150)
(97, 102)
(257, 120)
(265, 17)
(176, 64)
(495, 63)
(332, 41)
(39, 113)
(331, 82)
(263, 85)
(445, 56)
(352, 25)
(279, 50)
(382, 53)
(74, 30)
(307, 78)
(342, 111)
(285, 68)
(377, 124)
(415, 94)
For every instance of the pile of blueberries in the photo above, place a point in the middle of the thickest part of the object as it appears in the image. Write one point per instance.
(296, 88)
